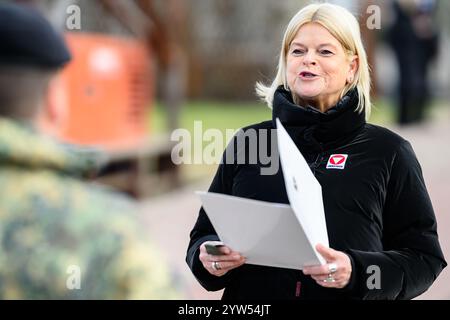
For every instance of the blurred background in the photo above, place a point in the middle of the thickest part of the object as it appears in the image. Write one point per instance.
(143, 68)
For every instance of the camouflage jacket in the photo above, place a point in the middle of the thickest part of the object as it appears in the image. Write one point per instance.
(62, 238)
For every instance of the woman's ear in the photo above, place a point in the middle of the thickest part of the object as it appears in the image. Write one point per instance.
(354, 65)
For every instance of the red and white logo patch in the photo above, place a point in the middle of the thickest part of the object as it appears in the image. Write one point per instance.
(337, 161)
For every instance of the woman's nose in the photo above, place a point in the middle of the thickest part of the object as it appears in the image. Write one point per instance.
(309, 59)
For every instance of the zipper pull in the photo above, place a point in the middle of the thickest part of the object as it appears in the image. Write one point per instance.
(298, 288)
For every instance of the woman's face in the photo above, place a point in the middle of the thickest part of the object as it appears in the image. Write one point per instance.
(317, 67)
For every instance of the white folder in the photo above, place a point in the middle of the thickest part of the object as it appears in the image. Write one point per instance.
(274, 234)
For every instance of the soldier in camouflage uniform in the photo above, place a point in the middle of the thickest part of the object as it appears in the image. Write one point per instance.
(60, 237)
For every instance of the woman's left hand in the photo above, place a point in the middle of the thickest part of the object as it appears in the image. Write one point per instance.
(336, 273)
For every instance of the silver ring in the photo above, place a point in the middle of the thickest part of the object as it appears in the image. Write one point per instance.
(332, 267)
(215, 265)
(329, 278)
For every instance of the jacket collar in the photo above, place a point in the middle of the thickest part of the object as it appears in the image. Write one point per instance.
(313, 125)
(22, 146)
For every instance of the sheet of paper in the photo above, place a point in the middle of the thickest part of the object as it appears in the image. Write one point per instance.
(274, 234)
(265, 233)
(303, 189)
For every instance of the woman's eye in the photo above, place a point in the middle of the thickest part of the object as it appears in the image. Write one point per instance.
(297, 51)
(326, 52)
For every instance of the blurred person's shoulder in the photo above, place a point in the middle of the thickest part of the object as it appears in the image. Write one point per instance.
(37, 169)
(113, 243)
(89, 226)
(51, 219)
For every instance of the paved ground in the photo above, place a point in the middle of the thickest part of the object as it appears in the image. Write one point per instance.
(170, 218)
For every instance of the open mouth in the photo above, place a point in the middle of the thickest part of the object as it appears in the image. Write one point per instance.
(307, 75)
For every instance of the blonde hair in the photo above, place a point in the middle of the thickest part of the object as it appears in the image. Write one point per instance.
(345, 28)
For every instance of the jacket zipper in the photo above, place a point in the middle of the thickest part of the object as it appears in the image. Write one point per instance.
(316, 162)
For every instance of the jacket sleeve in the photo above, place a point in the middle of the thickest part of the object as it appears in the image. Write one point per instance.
(412, 258)
(203, 229)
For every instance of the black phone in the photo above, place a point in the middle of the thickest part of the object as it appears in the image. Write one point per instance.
(213, 248)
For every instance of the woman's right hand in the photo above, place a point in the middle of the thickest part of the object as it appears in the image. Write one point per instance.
(224, 263)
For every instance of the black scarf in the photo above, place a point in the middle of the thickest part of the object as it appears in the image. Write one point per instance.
(314, 128)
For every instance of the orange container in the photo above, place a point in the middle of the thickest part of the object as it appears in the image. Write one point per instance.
(102, 96)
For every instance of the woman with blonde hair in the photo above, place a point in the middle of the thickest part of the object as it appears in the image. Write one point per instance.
(380, 220)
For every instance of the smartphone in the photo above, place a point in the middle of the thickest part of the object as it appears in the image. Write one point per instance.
(213, 248)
